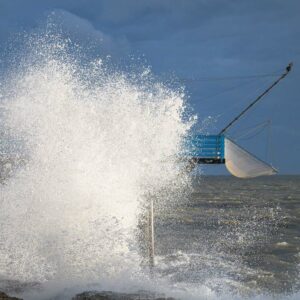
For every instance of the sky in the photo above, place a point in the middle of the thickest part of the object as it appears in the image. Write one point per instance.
(213, 48)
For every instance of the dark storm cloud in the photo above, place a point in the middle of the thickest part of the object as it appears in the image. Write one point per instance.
(226, 29)
(204, 38)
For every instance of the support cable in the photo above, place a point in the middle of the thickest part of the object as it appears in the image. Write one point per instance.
(287, 70)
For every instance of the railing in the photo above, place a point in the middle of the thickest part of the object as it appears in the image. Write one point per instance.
(207, 149)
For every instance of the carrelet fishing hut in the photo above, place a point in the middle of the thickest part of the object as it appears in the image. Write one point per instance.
(220, 149)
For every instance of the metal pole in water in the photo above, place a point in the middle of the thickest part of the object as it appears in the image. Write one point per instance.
(151, 235)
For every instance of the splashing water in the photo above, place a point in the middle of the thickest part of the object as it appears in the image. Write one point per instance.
(86, 147)
(95, 143)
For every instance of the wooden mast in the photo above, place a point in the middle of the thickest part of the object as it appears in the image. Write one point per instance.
(287, 70)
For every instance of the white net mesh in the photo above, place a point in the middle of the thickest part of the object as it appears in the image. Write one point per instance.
(241, 163)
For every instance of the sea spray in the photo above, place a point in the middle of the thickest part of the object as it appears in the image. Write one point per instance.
(95, 144)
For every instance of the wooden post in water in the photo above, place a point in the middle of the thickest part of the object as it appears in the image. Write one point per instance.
(151, 235)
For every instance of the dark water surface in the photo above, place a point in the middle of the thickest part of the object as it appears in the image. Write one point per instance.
(240, 235)
(237, 237)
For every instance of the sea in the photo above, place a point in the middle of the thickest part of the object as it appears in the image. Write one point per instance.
(234, 238)
(85, 147)
(241, 235)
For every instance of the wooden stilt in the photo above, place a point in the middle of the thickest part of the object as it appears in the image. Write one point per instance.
(151, 235)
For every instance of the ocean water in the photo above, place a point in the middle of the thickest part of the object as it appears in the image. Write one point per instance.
(241, 235)
(84, 148)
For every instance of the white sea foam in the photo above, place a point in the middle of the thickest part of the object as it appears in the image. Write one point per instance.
(96, 143)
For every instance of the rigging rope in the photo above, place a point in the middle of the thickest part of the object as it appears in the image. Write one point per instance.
(227, 78)
(253, 131)
(287, 71)
(239, 102)
(227, 90)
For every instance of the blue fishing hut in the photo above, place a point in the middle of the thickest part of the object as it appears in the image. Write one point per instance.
(206, 149)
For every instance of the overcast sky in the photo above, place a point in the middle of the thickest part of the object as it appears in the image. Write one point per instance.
(201, 42)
